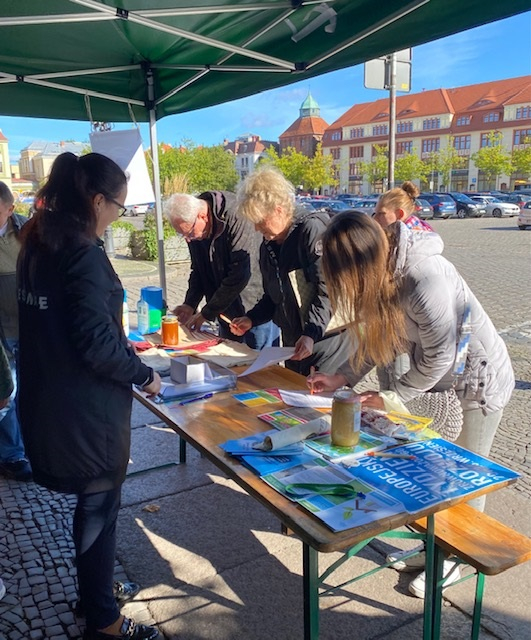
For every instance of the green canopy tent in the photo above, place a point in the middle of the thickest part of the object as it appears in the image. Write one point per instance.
(126, 60)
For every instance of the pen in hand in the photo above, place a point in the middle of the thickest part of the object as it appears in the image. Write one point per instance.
(312, 373)
(205, 397)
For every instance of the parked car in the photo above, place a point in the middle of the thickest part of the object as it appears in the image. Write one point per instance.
(443, 206)
(466, 207)
(423, 209)
(336, 206)
(524, 217)
(366, 205)
(496, 207)
(137, 209)
(519, 199)
(314, 205)
(346, 196)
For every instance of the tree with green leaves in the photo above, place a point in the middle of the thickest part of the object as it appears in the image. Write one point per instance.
(376, 169)
(521, 160)
(449, 159)
(291, 163)
(409, 167)
(494, 159)
(319, 171)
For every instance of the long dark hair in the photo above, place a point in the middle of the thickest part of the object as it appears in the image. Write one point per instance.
(64, 211)
(358, 265)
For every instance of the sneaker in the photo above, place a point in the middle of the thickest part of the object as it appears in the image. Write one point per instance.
(122, 591)
(18, 470)
(128, 631)
(416, 561)
(125, 590)
(451, 574)
(2, 589)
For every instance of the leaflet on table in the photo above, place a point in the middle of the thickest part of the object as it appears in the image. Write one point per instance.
(258, 397)
(266, 464)
(304, 398)
(331, 494)
(248, 446)
(367, 442)
(268, 356)
(402, 426)
(285, 418)
(439, 470)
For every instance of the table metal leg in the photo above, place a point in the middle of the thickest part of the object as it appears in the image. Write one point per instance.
(433, 585)
(310, 579)
(182, 450)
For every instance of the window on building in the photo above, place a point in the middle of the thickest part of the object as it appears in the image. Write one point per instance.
(486, 140)
(431, 123)
(430, 144)
(523, 112)
(380, 130)
(404, 127)
(336, 135)
(355, 170)
(493, 116)
(356, 152)
(464, 120)
(462, 142)
(522, 136)
(404, 146)
(335, 153)
(357, 132)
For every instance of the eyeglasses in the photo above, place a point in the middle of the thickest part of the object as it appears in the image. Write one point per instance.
(189, 235)
(121, 207)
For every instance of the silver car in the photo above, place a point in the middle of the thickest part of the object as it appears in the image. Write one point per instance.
(496, 207)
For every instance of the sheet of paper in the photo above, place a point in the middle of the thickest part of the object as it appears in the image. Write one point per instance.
(267, 357)
(303, 398)
(230, 354)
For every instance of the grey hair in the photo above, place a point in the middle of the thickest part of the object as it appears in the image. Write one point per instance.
(261, 192)
(5, 194)
(182, 207)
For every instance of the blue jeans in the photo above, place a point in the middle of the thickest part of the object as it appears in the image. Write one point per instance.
(263, 335)
(94, 533)
(11, 445)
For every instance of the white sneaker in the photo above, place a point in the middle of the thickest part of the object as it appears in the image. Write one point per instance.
(451, 573)
(2, 589)
(413, 563)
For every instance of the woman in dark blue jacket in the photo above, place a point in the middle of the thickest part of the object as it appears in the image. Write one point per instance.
(77, 368)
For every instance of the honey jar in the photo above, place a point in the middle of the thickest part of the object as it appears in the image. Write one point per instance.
(346, 418)
(170, 331)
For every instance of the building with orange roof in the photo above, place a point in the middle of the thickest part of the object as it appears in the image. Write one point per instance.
(304, 134)
(247, 151)
(427, 122)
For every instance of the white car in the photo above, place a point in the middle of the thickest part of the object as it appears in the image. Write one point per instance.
(137, 209)
(497, 208)
(524, 217)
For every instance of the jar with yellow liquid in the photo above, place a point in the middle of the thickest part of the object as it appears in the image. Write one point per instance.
(346, 418)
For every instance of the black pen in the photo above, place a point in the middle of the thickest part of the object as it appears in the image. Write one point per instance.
(205, 397)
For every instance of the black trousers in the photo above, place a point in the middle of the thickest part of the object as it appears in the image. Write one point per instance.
(94, 532)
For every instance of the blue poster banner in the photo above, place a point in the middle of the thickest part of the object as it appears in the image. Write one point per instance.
(433, 471)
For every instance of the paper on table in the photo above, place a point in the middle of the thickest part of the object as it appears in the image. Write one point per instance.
(292, 435)
(268, 356)
(230, 354)
(303, 398)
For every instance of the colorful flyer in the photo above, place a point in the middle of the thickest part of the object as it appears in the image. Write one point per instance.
(258, 397)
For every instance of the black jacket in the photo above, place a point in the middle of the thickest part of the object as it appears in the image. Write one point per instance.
(301, 249)
(225, 267)
(76, 368)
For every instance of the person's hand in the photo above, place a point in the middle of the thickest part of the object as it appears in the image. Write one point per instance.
(303, 348)
(153, 387)
(325, 381)
(196, 322)
(372, 400)
(240, 325)
(183, 312)
(3, 403)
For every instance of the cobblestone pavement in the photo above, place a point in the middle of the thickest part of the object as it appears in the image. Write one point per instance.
(36, 554)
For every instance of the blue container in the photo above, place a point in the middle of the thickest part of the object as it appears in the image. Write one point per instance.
(153, 296)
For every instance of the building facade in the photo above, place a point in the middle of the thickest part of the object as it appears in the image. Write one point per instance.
(247, 151)
(37, 158)
(429, 121)
(307, 131)
(5, 167)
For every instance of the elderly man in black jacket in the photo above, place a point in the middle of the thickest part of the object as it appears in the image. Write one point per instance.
(224, 252)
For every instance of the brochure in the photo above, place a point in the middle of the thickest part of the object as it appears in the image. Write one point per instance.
(402, 426)
(438, 471)
(266, 464)
(285, 418)
(258, 397)
(367, 442)
(332, 495)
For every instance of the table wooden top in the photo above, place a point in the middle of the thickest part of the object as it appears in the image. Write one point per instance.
(207, 424)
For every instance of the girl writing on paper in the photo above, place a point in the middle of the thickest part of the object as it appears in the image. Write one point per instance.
(407, 298)
(295, 295)
(76, 372)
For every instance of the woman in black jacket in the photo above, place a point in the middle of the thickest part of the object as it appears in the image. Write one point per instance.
(77, 368)
(295, 295)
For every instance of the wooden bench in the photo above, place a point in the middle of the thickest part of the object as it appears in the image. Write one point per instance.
(481, 542)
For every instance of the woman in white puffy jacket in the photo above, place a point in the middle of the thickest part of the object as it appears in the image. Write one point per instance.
(411, 300)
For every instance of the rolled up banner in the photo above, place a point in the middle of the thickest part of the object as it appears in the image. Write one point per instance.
(283, 438)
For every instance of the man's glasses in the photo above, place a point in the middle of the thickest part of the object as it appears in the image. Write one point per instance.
(121, 208)
(189, 235)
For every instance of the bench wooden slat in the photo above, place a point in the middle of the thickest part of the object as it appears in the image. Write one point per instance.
(481, 541)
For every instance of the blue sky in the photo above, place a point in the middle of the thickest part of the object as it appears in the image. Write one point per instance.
(492, 52)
